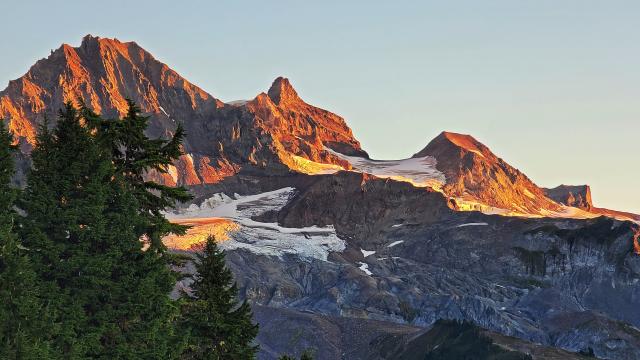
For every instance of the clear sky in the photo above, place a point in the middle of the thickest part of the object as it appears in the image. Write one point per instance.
(551, 86)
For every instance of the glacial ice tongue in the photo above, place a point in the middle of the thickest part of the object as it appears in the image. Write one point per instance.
(230, 219)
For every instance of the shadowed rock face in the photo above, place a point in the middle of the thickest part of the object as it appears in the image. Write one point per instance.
(292, 332)
(528, 278)
(360, 206)
(577, 196)
(264, 133)
(474, 173)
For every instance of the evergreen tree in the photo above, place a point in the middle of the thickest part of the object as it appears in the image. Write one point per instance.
(84, 224)
(21, 313)
(134, 156)
(306, 355)
(218, 327)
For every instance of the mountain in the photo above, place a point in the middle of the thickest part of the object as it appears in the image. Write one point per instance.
(358, 246)
(476, 177)
(276, 131)
(355, 255)
(102, 72)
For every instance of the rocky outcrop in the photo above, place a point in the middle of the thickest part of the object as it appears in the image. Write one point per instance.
(571, 195)
(420, 261)
(361, 206)
(475, 174)
(103, 73)
(293, 332)
(264, 134)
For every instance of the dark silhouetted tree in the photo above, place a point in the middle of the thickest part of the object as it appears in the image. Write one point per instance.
(218, 326)
(85, 218)
(23, 318)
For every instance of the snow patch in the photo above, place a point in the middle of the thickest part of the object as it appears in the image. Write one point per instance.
(262, 237)
(164, 112)
(309, 167)
(365, 267)
(420, 172)
(395, 243)
(472, 224)
(366, 253)
(396, 225)
(237, 102)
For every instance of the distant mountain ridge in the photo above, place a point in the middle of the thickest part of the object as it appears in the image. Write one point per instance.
(276, 133)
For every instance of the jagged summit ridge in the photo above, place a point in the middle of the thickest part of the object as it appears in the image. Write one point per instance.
(104, 73)
(475, 175)
(270, 132)
(275, 133)
(282, 92)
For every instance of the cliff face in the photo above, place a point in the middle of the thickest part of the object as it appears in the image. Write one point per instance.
(409, 258)
(473, 173)
(297, 123)
(102, 72)
(267, 133)
(577, 196)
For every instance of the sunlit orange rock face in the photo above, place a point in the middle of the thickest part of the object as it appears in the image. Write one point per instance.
(572, 195)
(104, 73)
(475, 174)
(222, 139)
(301, 129)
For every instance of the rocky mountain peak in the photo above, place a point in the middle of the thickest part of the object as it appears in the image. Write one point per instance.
(282, 92)
(104, 73)
(466, 142)
(272, 132)
(450, 142)
(476, 176)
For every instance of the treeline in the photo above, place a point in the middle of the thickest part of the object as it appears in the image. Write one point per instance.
(83, 271)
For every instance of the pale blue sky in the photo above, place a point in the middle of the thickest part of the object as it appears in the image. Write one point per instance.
(551, 86)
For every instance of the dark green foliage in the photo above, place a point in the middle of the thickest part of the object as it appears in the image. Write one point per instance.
(21, 312)
(307, 355)
(87, 211)
(463, 341)
(85, 218)
(218, 327)
(135, 155)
